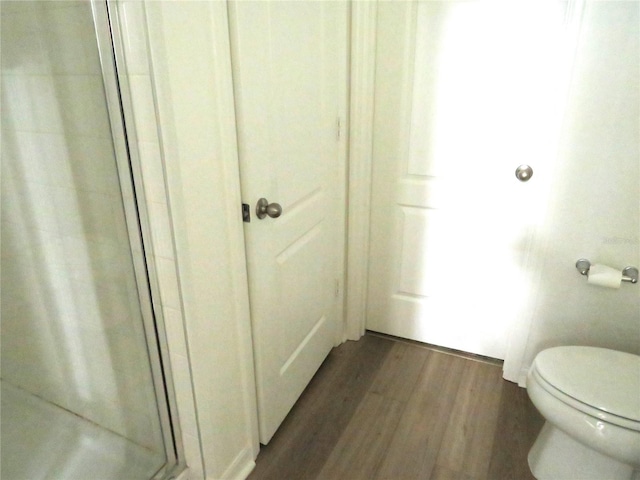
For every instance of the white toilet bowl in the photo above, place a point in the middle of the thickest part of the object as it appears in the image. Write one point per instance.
(590, 399)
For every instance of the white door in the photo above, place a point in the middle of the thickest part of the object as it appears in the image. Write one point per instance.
(289, 80)
(465, 93)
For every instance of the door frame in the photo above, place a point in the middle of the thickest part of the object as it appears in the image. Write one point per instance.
(364, 17)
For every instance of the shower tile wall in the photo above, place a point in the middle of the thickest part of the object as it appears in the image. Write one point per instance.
(71, 327)
(167, 300)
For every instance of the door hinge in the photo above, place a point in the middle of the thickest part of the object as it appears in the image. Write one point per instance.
(337, 290)
(339, 128)
(246, 213)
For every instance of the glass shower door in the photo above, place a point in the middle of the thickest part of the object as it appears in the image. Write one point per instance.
(82, 390)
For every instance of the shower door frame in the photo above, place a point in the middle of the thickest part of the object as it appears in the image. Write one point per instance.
(127, 156)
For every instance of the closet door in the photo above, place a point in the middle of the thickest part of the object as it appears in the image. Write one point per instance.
(465, 93)
(288, 59)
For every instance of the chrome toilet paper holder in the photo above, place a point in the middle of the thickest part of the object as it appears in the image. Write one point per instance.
(629, 274)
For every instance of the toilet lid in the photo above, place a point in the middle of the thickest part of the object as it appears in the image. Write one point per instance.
(605, 379)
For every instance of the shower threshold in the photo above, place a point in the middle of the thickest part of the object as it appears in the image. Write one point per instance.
(40, 440)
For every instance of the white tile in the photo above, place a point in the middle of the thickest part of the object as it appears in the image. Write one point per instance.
(38, 207)
(131, 399)
(48, 106)
(101, 307)
(43, 441)
(19, 107)
(73, 210)
(96, 216)
(10, 195)
(67, 33)
(184, 394)
(32, 206)
(81, 103)
(92, 163)
(152, 172)
(39, 247)
(174, 325)
(161, 230)
(28, 346)
(16, 145)
(51, 155)
(168, 281)
(25, 376)
(129, 350)
(147, 430)
(17, 153)
(23, 51)
(104, 263)
(193, 457)
(135, 45)
(21, 15)
(22, 294)
(143, 108)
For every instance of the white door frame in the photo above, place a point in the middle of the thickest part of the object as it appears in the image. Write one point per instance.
(362, 90)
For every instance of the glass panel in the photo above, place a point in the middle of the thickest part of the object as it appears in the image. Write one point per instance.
(78, 399)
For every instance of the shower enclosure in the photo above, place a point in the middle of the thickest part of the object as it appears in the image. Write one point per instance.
(84, 393)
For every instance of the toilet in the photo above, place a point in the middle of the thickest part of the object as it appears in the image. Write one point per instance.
(590, 399)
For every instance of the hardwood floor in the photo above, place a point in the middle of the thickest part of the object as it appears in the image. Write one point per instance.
(385, 409)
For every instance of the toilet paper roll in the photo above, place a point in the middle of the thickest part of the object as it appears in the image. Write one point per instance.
(604, 276)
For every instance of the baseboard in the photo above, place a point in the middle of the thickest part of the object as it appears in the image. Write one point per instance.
(183, 475)
(241, 466)
(522, 377)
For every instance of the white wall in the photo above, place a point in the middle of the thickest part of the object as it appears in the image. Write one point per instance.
(595, 202)
(71, 326)
(191, 72)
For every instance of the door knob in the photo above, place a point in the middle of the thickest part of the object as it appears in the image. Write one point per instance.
(524, 173)
(264, 208)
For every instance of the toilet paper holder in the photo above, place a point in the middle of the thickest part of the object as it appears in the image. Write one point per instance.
(629, 274)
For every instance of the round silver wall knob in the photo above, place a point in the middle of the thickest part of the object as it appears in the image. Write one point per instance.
(524, 173)
(264, 208)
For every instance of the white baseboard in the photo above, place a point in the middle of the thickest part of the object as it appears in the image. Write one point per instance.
(241, 467)
(183, 475)
(522, 378)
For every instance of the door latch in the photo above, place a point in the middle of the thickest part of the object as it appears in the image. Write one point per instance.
(246, 213)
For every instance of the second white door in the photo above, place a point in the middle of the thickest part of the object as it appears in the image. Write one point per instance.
(465, 93)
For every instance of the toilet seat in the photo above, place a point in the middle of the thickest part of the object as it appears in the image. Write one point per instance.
(583, 407)
(601, 383)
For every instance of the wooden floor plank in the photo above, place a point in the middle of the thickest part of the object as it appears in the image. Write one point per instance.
(443, 473)
(307, 436)
(518, 426)
(399, 373)
(357, 454)
(374, 423)
(416, 442)
(468, 441)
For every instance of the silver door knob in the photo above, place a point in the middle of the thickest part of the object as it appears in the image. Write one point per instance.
(264, 208)
(524, 173)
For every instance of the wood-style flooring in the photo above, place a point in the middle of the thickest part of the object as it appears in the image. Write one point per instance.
(386, 409)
